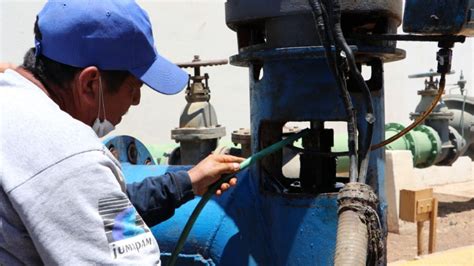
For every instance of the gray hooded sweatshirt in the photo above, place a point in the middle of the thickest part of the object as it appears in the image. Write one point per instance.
(62, 199)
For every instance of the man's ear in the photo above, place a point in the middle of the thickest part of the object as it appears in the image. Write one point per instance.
(86, 92)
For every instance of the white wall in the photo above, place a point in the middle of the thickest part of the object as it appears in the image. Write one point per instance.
(183, 28)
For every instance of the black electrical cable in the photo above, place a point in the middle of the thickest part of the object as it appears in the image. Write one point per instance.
(322, 21)
(340, 74)
(333, 8)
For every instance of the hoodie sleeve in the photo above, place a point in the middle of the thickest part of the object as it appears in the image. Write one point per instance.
(157, 197)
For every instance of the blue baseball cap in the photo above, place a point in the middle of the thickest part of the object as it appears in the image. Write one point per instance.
(108, 34)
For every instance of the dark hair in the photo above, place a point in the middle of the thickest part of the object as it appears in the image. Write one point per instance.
(50, 72)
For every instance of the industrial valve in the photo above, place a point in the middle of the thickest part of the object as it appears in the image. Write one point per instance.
(451, 141)
(199, 131)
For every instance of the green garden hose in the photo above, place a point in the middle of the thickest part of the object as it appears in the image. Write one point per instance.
(212, 190)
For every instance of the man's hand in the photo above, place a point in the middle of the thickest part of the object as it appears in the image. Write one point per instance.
(209, 170)
(5, 66)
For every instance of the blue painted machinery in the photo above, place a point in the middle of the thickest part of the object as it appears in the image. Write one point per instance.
(455, 17)
(270, 218)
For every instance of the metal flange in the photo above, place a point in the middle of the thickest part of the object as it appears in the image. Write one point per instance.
(183, 134)
(433, 137)
(241, 136)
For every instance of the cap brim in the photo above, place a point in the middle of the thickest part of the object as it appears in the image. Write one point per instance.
(162, 76)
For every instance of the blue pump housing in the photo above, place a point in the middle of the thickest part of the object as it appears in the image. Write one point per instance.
(246, 227)
(268, 218)
(254, 223)
(445, 17)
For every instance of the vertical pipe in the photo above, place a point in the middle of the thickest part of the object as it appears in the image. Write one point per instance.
(351, 248)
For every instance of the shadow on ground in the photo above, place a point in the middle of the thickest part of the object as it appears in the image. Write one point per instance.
(448, 204)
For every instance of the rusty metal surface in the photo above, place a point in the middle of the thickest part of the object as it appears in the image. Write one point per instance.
(241, 136)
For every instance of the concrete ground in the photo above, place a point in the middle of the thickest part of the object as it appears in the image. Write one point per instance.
(455, 231)
(464, 189)
(457, 256)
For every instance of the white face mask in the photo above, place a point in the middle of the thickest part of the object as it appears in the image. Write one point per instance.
(104, 127)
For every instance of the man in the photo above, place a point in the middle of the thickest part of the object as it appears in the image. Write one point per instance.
(62, 196)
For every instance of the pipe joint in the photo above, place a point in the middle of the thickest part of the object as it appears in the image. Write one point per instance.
(356, 194)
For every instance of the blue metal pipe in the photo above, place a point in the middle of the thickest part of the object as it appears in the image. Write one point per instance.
(247, 227)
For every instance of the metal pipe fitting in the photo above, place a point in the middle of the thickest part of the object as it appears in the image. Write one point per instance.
(423, 142)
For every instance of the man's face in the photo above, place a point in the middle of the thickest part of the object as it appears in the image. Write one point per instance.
(117, 103)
